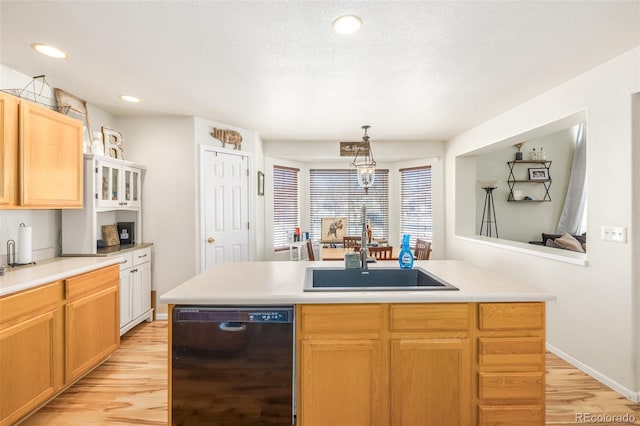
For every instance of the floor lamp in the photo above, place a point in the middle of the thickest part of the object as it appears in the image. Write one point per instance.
(489, 212)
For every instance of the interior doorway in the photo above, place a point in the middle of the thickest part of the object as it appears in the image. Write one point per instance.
(224, 205)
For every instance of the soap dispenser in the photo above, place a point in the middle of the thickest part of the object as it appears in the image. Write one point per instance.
(405, 258)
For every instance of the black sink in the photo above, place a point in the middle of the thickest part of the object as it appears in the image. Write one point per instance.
(374, 279)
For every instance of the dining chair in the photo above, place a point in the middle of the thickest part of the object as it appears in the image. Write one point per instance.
(423, 250)
(381, 253)
(311, 256)
(350, 242)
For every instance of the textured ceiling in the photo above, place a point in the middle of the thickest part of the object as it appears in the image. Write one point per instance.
(419, 70)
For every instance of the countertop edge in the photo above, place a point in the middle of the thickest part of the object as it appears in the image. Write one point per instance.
(54, 270)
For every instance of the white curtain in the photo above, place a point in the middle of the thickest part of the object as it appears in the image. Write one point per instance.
(573, 218)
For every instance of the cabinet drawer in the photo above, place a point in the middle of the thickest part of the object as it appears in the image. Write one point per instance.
(511, 351)
(512, 386)
(92, 281)
(511, 316)
(16, 305)
(504, 415)
(440, 316)
(341, 318)
(141, 256)
(127, 260)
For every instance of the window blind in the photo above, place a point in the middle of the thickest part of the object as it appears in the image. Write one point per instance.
(416, 213)
(336, 193)
(285, 204)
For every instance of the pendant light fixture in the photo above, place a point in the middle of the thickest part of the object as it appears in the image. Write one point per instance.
(364, 163)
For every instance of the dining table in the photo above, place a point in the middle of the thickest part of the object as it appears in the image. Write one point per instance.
(337, 253)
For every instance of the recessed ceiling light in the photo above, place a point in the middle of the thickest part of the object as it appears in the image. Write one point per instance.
(51, 51)
(129, 98)
(347, 24)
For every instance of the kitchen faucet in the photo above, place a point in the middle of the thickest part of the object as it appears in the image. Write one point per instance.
(364, 251)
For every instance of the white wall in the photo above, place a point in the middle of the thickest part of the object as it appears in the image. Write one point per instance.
(526, 221)
(389, 155)
(592, 321)
(635, 233)
(169, 147)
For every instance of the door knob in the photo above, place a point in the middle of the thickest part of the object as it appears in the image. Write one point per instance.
(210, 240)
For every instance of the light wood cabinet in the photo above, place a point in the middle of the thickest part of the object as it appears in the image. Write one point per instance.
(510, 364)
(92, 320)
(9, 110)
(433, 363)
(31, 339)
(42, 157)
(53, 334)
(381, 364)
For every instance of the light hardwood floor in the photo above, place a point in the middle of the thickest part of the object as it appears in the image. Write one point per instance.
(130, 388)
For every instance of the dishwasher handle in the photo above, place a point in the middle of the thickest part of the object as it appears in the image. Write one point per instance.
(232, 326)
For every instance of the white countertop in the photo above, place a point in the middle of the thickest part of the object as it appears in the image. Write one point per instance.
(271, 283)
(49, 270)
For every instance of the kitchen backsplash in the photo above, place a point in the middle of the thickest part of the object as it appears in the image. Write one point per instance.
(45, 226)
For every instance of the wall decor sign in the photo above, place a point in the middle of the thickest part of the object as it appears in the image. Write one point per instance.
(227, 136)
(113, 143)
(538, 174)
(349, 149)
(260, 183)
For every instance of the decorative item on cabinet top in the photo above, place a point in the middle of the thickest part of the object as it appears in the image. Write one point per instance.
(77, 109)
(31, 93)
(227, 136)
(113, 143)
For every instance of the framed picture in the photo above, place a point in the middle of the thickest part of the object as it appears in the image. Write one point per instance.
(333, 229)
(538, 174)
(260, 183)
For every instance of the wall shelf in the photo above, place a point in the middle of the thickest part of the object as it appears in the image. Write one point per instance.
(512, 181)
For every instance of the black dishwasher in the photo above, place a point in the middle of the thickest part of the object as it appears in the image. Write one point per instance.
(232, 366)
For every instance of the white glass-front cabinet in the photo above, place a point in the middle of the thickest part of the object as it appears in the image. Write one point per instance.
(117, 185)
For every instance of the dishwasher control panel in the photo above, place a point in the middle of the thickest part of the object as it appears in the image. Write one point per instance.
(273, 316)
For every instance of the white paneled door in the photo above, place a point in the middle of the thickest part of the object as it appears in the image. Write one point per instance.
(226, 212)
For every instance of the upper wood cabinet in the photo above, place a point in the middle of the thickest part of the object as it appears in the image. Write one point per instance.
(9, 108)
(41, 156)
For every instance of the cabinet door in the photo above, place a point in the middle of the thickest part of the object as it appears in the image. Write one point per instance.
(51, 159)
(131, 185)
(92, 331)
(126, 312)
(9, 107)
(108, 184)
(29, 359)
(342, 382)
(430, 382)
(141, 289)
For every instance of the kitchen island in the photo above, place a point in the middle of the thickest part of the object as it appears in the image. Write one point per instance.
(466, 357)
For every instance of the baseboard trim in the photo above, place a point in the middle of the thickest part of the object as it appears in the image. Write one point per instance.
(624, 391)
(162, 317)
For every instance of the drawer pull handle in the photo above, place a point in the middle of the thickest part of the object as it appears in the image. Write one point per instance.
(144, 255)
(124, 261)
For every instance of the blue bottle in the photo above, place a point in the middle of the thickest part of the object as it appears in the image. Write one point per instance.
(405, 258)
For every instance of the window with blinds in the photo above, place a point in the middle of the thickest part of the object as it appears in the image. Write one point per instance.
(336, 193)
(416, 213)
(285, 205)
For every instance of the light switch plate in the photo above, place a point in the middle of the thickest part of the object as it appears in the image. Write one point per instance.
(616, 234)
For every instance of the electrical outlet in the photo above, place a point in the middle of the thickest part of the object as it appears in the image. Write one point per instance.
(617, 234)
